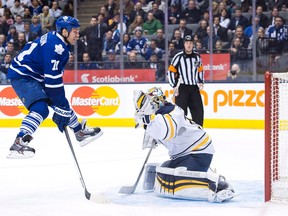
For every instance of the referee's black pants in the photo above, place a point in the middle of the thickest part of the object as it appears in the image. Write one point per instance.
(190, 97)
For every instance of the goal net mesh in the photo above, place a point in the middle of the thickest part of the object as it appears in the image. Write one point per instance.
(278, 146)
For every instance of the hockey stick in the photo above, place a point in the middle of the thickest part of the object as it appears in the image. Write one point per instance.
(87, 194)
(131, 189)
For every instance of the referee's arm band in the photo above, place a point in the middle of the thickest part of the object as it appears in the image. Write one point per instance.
(172, 69)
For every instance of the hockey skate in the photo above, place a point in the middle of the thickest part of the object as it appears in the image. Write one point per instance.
(20, 148)
(87, 134)
(224, 192)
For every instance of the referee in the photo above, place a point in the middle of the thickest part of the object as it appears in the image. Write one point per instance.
(186, 66)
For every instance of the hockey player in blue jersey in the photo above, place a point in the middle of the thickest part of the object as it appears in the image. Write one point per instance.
(36, 76)
(187, 174)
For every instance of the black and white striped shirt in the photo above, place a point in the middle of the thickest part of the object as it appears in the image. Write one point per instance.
(187, 66)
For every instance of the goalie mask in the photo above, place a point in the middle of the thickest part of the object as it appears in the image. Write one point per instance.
(157, 96)
(143, 103)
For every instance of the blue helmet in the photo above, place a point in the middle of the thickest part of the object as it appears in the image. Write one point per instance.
(66, 22)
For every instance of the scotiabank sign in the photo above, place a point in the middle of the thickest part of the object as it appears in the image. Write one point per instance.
(109, 76)
(220, 67)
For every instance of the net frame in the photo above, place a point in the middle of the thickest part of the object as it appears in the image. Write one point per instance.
(276, 137)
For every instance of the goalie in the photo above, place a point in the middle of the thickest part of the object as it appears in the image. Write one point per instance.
(188, 174)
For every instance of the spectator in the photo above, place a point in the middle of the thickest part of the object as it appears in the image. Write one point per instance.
(219, 47)
(215, 8)
(36, 26)
(55, 10)
(133, 62)
(126, 39)
(110, 62)
(19, 24)
(10, 49)
(161, 4)
(192, 14)
(138, 11)
(237, 51)
(20, 43)
(25, 3)
(70, 63)
(68, 9)
(201, 31)
(120, 26)
(174, 14)
(160, 39)
(177, 40)
(128, 7)
(151, 25)
(109, 43)
(137, 42)
(224, 18)
(4, 26)
(274, 14)
(104, 12)
(233, 74)
(199, 48)
(137, 22)
(111, 8)
(158, 66)
(87, 64)
(239, 33)
(158, 14)
(263, 19)
(149, 48)
(246, 6)
(249, 30)
(183, 29)
(27, 17)
(3, 41)
(206, 40)
(262, 43)
(17, 9)
(276, 3)
(144, 5)
(35, 8)
(12, 34)
(29, 35)
(220, 31)
(277, 34)
(203, 5)
(95, 36)
(46, 20)
(172, 50)
(5, 64)
(239, 19)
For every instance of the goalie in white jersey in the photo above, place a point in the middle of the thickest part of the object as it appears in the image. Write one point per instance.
(187, 174)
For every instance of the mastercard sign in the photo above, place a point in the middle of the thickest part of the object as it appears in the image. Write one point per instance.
(86, 101)
(10, 104)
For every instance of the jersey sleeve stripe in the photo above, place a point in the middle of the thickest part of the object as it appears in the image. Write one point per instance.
(54, 86)
(53, 77)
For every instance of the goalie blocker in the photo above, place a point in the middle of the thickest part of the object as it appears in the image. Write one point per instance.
(184, 184)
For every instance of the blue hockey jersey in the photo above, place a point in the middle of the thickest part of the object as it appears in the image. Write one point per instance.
(44, 60)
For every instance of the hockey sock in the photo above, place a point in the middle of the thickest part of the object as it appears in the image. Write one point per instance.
(74, 123)
(30, 123)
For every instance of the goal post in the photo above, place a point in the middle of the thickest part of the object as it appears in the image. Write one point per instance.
(276, 137)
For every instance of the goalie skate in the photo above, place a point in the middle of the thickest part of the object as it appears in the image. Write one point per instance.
(20, 148)
(87, 134)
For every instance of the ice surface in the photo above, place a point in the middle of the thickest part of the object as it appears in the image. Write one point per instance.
(49, 184)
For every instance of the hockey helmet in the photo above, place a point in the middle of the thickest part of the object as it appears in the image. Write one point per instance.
(66, 22)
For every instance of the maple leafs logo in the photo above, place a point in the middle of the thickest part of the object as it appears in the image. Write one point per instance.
(59, 49)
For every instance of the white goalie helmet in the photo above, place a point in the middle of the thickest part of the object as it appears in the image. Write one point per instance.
(148, 103)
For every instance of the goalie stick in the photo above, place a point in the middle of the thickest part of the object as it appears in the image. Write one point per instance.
(131, 189)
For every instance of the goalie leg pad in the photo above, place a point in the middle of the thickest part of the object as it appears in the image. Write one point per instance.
(149, 177)
(180, 183)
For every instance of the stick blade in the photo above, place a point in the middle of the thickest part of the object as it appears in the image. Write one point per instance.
(87, 194)
(127, 189)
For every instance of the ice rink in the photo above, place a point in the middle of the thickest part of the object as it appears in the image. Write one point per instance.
(48, 184)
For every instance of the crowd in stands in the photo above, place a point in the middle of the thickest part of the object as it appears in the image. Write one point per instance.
(144, 32)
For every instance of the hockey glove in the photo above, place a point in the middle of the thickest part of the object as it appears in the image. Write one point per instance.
(61, 117)
(148, 141)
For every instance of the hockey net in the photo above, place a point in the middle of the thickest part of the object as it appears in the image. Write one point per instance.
(276, 137)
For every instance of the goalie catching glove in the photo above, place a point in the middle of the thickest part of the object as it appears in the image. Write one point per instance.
(61, 117)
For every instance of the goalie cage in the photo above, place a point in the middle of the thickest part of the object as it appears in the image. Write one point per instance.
(276, 137)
